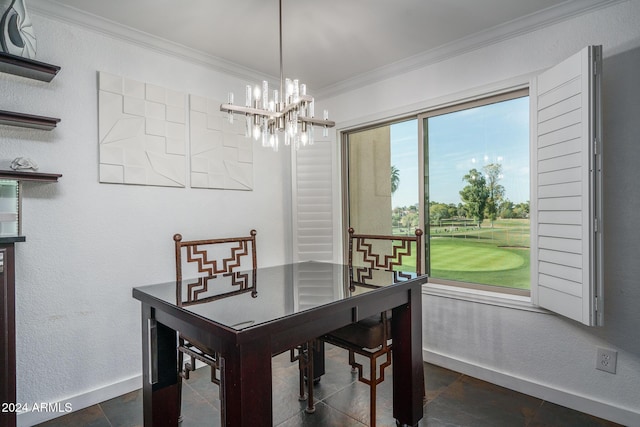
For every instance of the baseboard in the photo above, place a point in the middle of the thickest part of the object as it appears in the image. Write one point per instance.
(49, 410)
(565, 398)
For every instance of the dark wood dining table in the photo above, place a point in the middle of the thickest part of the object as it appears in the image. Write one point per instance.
(250, 317)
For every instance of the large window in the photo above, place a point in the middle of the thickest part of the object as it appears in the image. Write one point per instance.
(476, 194)
(476, 168)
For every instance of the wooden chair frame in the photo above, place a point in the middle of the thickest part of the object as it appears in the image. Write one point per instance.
(400, 247)
(207, 267)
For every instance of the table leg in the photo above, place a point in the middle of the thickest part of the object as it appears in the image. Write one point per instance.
(408, 369)
(246, 385)
(160, 381)
(318, 361)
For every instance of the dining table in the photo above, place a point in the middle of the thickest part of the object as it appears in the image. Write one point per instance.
(250, 316)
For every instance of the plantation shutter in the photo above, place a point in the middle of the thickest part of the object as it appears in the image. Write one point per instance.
(313, 219)
(566, 185)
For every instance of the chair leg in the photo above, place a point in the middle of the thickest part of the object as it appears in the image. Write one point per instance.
(372, 391)
(311, 407)
(180, 368)
(302, 368)
(352, 362)
(305, 370)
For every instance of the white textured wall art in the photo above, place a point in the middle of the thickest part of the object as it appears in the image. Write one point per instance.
(221, 156)
(142, 133)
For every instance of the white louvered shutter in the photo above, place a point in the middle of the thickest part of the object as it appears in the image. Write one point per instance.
(313, 222)
(566, 186)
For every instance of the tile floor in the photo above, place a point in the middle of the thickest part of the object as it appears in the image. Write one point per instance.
(453, 399)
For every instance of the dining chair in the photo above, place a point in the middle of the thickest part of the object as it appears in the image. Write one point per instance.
(201, 260)
(371, 337)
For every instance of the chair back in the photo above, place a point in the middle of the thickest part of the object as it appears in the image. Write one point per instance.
(385, 252)
(209, 258)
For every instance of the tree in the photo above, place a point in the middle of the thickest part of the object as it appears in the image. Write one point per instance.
(495, 191)
(395, 179)
(475, 195)
(438, 212)
(506, 209)
(521, 210)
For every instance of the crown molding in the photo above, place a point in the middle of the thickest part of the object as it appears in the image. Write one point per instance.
(490, 36)
(569, 9)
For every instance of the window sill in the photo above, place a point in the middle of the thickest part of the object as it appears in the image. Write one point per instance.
(477, 296)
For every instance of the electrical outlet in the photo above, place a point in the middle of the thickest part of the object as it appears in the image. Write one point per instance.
(607, 360)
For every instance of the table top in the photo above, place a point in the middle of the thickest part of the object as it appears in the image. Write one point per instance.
(248, 299)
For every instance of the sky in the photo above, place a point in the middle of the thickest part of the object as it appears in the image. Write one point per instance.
(461, 141)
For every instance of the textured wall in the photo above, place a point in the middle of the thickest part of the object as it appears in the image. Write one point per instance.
(551, 356)
(88, 243)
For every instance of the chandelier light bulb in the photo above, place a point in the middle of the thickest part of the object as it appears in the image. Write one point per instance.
(248, 92)
(230, 113)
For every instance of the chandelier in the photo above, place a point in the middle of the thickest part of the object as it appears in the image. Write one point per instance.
(289, 113)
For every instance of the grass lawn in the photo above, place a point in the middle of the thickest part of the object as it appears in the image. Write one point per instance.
(493, 256)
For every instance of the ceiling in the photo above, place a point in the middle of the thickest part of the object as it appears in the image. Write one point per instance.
(325, 43)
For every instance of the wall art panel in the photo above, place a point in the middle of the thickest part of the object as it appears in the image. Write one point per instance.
(142, 133)
(221, 156)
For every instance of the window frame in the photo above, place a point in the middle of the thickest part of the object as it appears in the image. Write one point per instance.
(478, 101)
(488, 294)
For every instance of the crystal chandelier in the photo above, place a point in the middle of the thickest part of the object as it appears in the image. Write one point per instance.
(289, 113)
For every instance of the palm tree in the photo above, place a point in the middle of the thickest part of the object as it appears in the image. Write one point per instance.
(395, 179)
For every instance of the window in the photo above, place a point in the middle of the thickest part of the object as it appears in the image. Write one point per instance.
(484, 228)
(476, 168)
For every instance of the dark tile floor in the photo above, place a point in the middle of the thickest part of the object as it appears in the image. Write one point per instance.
(453, 399)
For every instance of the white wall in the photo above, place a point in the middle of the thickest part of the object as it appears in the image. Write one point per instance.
(541, 354)
(88, 244)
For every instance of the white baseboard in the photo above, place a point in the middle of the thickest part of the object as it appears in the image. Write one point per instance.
(565, 398)
(51, 410)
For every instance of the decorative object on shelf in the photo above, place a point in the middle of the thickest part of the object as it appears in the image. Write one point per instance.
(23, 163)
(221, 157)
(289, 112)
(142, 133)
(16, 36)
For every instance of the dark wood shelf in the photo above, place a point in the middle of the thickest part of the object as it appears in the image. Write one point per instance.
(28, 68)
(29, 176)
(11, 239)
(27, 120)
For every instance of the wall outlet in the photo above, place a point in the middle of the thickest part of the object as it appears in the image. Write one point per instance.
(607, 360)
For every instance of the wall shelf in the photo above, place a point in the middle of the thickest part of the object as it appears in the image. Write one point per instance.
(29, 176)
(27, 120)
(28, 68)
